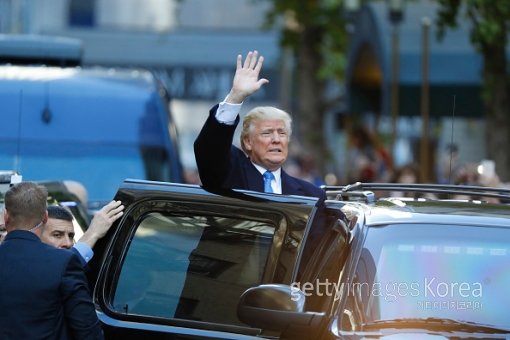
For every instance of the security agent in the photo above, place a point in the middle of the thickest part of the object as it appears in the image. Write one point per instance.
(44, 290)
(59, 230)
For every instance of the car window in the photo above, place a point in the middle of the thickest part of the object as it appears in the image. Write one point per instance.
(323, 268)
(422, 271)
(192, 267)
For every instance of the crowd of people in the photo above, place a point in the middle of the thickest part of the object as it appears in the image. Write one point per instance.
(368, 161)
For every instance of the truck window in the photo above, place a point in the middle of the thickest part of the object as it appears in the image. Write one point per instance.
(100, 168)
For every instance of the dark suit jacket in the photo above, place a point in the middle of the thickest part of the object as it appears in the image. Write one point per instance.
(44, 293)
(221, 165)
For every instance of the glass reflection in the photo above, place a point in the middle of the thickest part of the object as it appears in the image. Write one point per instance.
(440, 271)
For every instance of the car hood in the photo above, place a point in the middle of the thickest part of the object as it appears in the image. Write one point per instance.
(406, 335)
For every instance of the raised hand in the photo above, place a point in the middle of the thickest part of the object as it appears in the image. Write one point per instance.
(246, 79)
(102, 222)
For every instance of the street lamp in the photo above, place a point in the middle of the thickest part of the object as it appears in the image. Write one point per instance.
(395, 11)
(351, 8)
(425, 99)
(395, 14)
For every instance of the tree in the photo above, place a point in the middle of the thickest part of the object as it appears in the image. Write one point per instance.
(490, 22)
(314, 30)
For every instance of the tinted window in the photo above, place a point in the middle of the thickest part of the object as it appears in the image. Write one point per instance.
(192, 267)
(81, 13)
(442, 271)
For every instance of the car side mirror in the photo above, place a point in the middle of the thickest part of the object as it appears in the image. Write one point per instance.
(277, 307)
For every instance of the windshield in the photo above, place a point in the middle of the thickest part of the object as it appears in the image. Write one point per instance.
(435, 271)
(101, 168)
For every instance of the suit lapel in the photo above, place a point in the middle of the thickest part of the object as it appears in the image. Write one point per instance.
(253, 180)
(290, 186)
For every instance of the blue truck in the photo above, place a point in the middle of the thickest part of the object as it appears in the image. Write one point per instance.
(94, 126)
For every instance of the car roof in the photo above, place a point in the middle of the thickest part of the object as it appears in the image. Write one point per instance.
(391, 211)
(40, 49)
(380, 208)
(139, 188)
(114, 80)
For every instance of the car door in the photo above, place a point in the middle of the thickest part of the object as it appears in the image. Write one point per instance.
(180, 258)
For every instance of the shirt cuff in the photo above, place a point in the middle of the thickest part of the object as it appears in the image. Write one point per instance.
(227, 112)
(85, 251)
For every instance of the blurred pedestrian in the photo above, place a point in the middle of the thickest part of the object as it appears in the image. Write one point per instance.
(302, 166)
(449, 165)
(406, 174)
(369, 161)
(44, 291)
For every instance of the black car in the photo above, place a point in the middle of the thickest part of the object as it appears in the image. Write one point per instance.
(58, 194)
(186, 263)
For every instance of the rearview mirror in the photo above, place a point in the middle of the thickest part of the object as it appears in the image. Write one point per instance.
(277, 307)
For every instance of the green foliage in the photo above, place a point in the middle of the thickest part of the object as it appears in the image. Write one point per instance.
(490, 23)
(447, 15)
(490, 20)
(324, 19)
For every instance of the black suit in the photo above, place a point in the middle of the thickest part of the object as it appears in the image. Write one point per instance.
(221, 165)
(44, 293)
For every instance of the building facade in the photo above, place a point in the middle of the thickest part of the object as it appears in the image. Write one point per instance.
(190, 44)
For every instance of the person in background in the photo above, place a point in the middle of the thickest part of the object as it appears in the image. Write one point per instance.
(369, 160)
(480, 174)
(303, 166)
(44, 291)
(264, 141)
(406, 174)
(449, 166)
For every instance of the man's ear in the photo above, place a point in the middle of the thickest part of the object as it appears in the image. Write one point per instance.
(247, 143)
(45, 217)
(6, 216)
(7, 220)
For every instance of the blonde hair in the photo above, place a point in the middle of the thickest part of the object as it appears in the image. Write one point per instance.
(25, 203)
(263, 113)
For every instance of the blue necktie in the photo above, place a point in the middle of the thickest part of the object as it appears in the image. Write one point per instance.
(268, 177)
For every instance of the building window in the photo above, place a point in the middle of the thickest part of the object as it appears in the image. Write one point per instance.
(81, 13)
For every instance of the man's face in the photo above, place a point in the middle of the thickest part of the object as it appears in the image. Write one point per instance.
(58, 233)
(268, 143)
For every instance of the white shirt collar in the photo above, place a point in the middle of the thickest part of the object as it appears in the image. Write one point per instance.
(276, 184)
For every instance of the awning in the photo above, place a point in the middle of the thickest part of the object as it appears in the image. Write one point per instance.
(455, 68)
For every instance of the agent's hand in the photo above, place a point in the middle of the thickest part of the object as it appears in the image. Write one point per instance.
(246, 79)
(102, 222)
